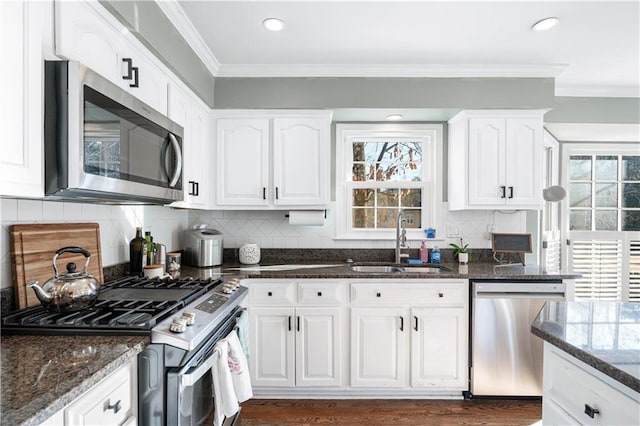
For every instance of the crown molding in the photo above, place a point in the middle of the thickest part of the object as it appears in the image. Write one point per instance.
(177, 16)
(394, 70)
(597, 91)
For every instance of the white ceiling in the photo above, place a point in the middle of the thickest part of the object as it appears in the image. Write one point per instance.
(595, 51)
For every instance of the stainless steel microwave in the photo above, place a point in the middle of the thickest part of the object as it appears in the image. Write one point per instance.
(104, 145)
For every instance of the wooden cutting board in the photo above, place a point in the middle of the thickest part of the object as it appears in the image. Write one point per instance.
(33, 247)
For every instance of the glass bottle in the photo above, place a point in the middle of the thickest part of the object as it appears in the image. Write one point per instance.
(136, 248)
(146, 259)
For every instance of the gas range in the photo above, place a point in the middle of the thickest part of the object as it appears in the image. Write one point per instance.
(138, 306)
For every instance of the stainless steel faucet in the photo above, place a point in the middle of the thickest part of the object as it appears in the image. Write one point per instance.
(401, 237)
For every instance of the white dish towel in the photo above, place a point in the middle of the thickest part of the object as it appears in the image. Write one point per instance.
(231, 381)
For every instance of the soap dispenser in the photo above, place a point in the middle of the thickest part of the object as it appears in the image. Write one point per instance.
(424, 256)
(435, 255)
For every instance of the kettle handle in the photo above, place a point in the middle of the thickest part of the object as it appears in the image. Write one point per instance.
(71, 249)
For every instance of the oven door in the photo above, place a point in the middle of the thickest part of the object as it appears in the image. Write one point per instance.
(190, 399)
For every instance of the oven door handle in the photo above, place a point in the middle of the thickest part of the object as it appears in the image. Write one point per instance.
(192, 378)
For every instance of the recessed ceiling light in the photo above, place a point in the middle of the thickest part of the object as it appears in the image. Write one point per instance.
(395, 117)
(545, 24)
(273, 24)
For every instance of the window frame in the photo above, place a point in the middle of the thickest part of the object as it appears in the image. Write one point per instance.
(431, 185)
(625, 239)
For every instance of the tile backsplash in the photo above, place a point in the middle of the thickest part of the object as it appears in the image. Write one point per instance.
(271, 229)
(117, 226)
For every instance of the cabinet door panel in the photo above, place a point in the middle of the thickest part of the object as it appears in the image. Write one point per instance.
(318, 347)
(486, 161)
(243, 162)
(300, 160)
(438, 348)
(378, 347)
(271, 354)
(21, 165)
(524, 161)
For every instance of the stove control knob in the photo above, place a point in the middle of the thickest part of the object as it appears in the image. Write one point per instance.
(178, 325)
(227, 289)
(190, 317)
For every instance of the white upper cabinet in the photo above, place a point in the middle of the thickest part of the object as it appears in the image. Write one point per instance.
(495, 160)
(86, 32)
(21, 163)
(196, 147)
(272, 160)
(242, 162)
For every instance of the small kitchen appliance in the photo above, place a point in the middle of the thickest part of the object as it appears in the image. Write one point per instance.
(203, 246)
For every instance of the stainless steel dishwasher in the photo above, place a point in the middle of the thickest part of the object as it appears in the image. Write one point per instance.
(506, 359)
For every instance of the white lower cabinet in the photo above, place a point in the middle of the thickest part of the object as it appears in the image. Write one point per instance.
(295, 346)
(408, 336)
(577, 394)
(416, 347)
(113, 401)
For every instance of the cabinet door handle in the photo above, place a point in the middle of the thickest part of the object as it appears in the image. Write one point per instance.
(129, 63)
(277, 193)
(401, 323)
(192, 187)
(264, 193)
(298, 323)
(503, 192)
(197, 189)
(115, 407)
(590, 411)
(511, 192)
(135, 77)
(416, 320)
(289, 322)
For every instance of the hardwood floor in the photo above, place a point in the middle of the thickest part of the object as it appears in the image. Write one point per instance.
(372, 412)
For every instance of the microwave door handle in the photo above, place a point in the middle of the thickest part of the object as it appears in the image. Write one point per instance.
(178, 168)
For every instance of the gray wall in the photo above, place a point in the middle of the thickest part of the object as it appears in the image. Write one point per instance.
(594, 110)
(150, 25)
(355, 92)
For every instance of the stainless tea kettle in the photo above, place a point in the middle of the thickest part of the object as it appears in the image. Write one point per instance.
(70, 291)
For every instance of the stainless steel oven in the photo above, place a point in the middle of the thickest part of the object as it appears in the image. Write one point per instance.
(101, 143)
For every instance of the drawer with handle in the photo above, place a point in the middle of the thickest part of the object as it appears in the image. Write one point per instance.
(449, 292)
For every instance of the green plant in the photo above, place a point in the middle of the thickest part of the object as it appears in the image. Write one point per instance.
(460, 248)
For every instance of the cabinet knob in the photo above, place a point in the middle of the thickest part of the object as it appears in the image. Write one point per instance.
(590, 411)
(440, 294)
(115, 407)
(319, 294)
(269, 293)
(378, 294)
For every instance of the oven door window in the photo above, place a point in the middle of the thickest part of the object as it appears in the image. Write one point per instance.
(121, 144)
(196, 402)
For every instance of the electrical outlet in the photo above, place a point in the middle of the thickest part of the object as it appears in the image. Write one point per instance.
(491, 228)
(452, 231)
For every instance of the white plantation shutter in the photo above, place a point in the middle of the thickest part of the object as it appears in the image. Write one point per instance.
(634, 271)
(600, 263)
(551, 248)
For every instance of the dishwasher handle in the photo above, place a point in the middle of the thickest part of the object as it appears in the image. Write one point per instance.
(505, 289)
(520, 295)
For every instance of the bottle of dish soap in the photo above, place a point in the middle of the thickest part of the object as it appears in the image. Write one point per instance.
(435, 255)
(424, 256)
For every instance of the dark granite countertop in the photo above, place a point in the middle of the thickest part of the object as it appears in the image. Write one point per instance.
(342, 270)
(42, 374)
(604, 335)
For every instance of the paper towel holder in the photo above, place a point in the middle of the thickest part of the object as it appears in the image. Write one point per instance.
(325, 214)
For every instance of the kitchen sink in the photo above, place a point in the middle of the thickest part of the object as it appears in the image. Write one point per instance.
(389, 269)
(377, 269)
